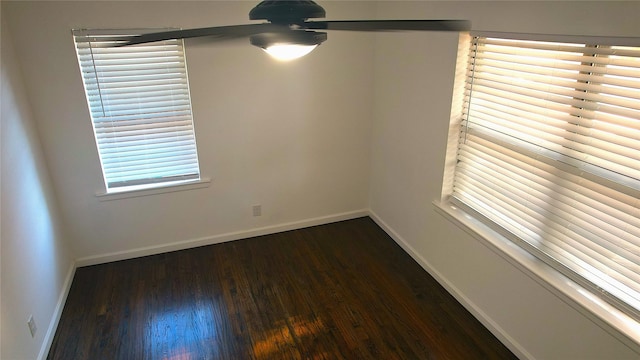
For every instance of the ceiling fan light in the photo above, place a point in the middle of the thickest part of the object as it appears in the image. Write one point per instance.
(288, 45)
(286, 52)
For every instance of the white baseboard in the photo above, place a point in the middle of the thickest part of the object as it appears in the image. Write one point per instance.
(57, 312)
(216, 239)
(475, 310)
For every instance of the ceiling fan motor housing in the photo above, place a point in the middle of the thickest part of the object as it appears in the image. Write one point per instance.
(286, 11)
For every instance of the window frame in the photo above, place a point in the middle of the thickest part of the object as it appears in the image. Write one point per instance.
(151, 122)
(502, 242)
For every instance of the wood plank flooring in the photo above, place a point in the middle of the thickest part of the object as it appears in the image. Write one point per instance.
(339, 291)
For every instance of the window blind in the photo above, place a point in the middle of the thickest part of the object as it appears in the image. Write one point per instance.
(549, 154)
(140, 107)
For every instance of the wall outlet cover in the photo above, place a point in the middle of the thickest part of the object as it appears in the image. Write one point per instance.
(257, 210)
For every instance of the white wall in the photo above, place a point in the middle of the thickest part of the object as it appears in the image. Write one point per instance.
(360, 123)
(413, 80)
(35, 261)
(293, 137)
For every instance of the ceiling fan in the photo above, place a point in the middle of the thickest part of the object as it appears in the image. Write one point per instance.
(288, 35)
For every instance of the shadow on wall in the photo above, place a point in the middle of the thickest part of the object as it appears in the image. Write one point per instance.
(34, 258)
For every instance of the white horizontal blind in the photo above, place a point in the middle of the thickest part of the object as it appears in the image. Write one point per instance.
(550, 153)
(140, 107)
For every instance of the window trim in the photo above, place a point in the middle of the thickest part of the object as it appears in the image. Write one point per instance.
(618, 40)
(153, 189)
(615, 321)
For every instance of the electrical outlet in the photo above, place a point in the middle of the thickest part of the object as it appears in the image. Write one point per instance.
(32, 326)
(257, 210)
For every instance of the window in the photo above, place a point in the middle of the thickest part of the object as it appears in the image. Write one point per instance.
(140, 108)
(549, 155)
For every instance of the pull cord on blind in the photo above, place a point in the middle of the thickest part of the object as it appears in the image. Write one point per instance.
(140, 108)
(550, 154)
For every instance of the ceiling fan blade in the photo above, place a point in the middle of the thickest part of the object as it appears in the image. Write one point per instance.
(217, 33)
(389, 25)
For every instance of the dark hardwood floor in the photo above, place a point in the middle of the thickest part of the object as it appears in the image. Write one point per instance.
(339, 291)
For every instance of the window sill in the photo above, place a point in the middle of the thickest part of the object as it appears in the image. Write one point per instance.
(161, 189)
(612, 320)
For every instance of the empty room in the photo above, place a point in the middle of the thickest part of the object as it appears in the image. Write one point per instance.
(425, 180)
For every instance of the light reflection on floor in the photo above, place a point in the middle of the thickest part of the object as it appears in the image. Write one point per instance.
(183, 333)
(281, 336)
(189, 332)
